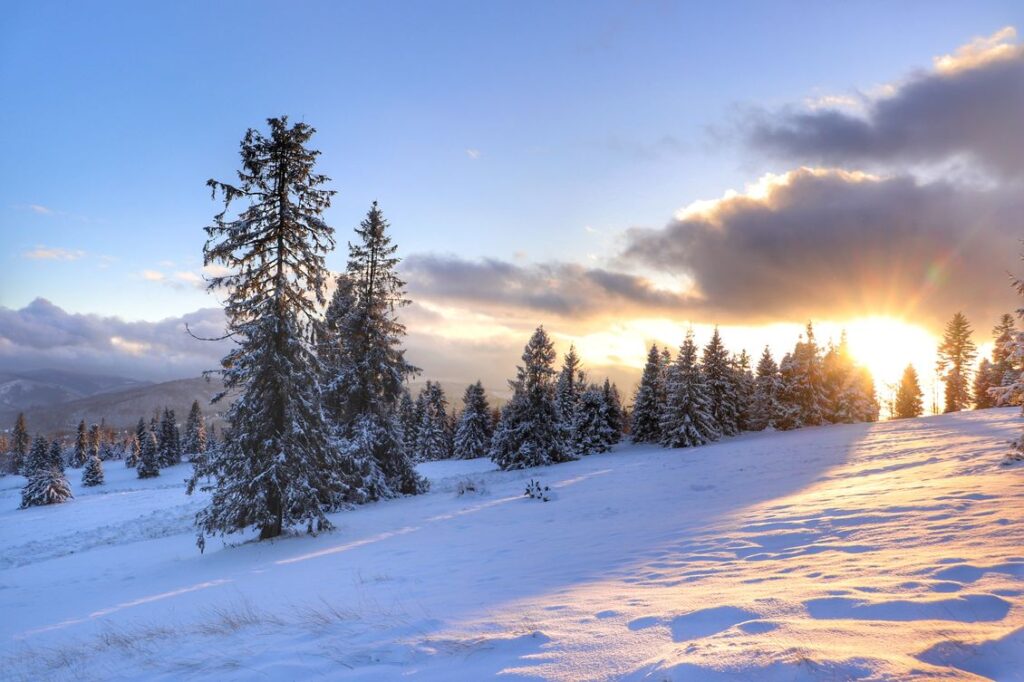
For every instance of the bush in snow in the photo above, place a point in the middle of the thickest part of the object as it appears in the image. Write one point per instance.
(535, 491)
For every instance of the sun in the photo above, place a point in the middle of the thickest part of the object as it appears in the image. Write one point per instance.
(886, 345)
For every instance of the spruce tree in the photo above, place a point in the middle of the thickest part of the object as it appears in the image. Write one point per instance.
(280, 466)
(955, 355)
(94, 443)
(688, 420)
(46, 482)
(744, 381)
(367, 370)
(909, 397)
(720, 386)
(649, 401)
(93, 473)
(473, 431)
(169, 440)
(1005, 369)
(81, 454)
(764, 409)
(19, 445)
(133, 448)
(409, 418)
(613, 411)
(986, 377)
(149, 457)
(195, 432)
(529, 432)
(802, 396)
(590, 431)
(432, 441)
(56, 455)
(571, 383)
(1012, 390)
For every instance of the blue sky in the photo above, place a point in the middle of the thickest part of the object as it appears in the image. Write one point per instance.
(582, 114)
(533, 158)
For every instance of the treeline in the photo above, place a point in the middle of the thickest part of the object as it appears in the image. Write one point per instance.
(152, 446)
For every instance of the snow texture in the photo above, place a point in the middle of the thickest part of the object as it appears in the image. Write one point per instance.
(885, 551)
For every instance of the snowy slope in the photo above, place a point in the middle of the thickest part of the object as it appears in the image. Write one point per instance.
(885, 551)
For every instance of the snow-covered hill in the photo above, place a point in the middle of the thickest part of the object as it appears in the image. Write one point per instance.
(886, 551)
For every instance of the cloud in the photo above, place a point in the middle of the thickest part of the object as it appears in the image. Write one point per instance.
(561, 289)
(43, 335)
(41, 210)
(814, 242)
(473, 153)
(152, 275)
(970, 105)
(53, 253)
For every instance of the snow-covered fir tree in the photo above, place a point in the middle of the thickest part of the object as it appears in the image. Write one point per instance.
(986, 377)
(649, 400)
(81, 452)
(1003, 366)
(432, 440)
(764, 404)
(1012, 390)
(720, 386)
(802, 394)
(687, 420)
(46, 481)
(909, 400)
(280, 467)
(590, 431)
(409, 416)
(92, 475)
(956, 353)
(848, 388)
(133, 449)
(529, 432)
(571, 383)
(613, 410)
(149, 456)
(20, 443)
(195, 432)
(365, 377)
(56, 454)
(473, 430)
(94, 443)
(169, 439)
(744, 379)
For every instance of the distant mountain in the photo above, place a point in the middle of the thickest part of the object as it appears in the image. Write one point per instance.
(122, 408)
(22, 390)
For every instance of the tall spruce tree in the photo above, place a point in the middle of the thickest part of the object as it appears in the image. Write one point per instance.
(149, 457)
(432, 442)
(590, 431)
(46, 481)
(195, 432)
(56, 455)
(744, 381)
(986, 377)
(529, 432)
(649, 400)
(1004, 370)
(571, 383)
(280, 466)
(613, 411)
(94, 443)
(366, 376)
(956, 353)
(688, 419)
(909, 400)
(764, 408)
(409, 418)
(720, 386)
(169, 439)
(473, 431)
(81, 453)
(802, 396)
(20, 442)
(92, 475)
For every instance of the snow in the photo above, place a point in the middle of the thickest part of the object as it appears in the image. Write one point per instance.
(885, 551)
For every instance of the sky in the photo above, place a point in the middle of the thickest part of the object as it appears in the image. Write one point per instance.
(618, 171)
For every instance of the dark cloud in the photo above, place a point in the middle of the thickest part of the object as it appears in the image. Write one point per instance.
(562, 289)
(43, 335)
(827, 243)
(971, 105)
